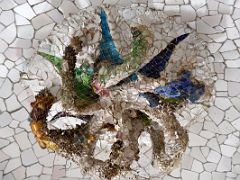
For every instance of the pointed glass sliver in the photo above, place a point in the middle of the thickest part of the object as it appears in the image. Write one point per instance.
(158, 63)
(108, 50)
(56, 61)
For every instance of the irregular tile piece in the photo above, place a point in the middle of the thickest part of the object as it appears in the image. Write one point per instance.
(203, 11)
(221, 85)
(14, 75)
(231, 55)
(9, 33)
(216, 114)
(232, 141)
(44, 31)
(21, 20)
(232, 74)
(25, 10)
(12, 103)
(225, 9)
(25, 32)
(213, 20)
(40, 21)
(47, 160)
(233, 88)
(205, 176)
(222, 103)
(236, 124)
(6, 89)
(174, 2)
(32, 2)
(73, 173)
(204, 28)
(56, 16)
(233, 63)
(34, 170)
(7, 17)
(42, 7)
(227, 150)
(28, 157)
(3, 46)
(19, 173)
(197, 166)
(171, 10)
(21, 43)
(195, 140)
(22, 140)
(12, 164)
(6, 132)
(219, 37)
(232, 33)
(59, 160)
(156, 5)
(218, 176)
(213, 156)
(186, 175)
(236, 158)
(81, 4)
(5, 119)
(12, 150)
(7, 5)
(9, 176)
(197, 4)
(213, 144)
(188, 13)
(3, 71)
(58, 172)
(13, 54)
(225, 128)
(68, 7)
(214, 47)
(227, 21)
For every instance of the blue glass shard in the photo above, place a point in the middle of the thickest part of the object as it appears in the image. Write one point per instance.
(152, 98)
(182, 88)
(131, 78)
(108, 50)
(158, 63)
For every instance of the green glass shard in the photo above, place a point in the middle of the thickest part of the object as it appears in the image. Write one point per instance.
(83, 80)
(56, 61)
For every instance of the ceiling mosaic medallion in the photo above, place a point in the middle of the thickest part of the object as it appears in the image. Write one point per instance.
(114, 89)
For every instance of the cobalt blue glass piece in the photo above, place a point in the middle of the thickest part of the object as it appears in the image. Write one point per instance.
(182, 88)
(152, 98)
(158, 63)
(108, 50)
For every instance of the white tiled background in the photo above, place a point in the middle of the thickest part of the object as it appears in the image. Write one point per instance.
(24, 22)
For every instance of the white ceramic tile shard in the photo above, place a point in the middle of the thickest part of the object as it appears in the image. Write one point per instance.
(28, 157)
(204, 28)
(25, 32)
(187, 13)
(9, 33)
(195, 140)
(25, 10)
(20, 20)
(5, 119)
(81, 4)
(12, 164)
(232, 33)
(7, 17)
(42, 7)
(3, 46)
(67, 7)
(12, 150)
